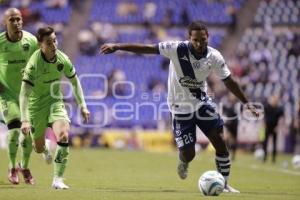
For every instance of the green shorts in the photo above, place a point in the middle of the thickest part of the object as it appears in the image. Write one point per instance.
(41, 118)
(9, 107)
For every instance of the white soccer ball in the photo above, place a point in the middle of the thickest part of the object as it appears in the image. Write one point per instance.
(259, 154)
(296, 161)
(211, 183)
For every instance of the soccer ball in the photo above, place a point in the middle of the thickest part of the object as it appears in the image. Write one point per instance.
(296, 161)
(211, 183)
(259, 154)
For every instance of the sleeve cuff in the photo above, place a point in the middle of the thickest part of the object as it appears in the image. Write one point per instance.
(225, 79)
(29, 82)
(69, 77)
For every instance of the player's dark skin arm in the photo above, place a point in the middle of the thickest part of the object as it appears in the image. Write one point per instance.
(135, 48)
(233, 87)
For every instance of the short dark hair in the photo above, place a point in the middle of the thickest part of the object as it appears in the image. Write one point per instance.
(44, 31)
(197, 25)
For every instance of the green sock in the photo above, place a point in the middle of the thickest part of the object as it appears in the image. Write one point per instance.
(13, 143)
(61, 158)
(26, 150)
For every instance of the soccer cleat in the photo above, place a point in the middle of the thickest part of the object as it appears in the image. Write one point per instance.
(26, 175)
(13, 176)
(182, 169)
(58, 183)
(229, 189)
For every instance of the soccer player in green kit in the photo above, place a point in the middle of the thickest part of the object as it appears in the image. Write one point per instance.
(41, 100)
(16, 47)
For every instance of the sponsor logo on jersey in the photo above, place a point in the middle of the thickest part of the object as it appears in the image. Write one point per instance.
(26, 47)
(190, 83)
(60, 67)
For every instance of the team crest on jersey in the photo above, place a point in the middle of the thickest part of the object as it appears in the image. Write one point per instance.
(60, 67)
(178, 130)
(201, 65)
(26, 47)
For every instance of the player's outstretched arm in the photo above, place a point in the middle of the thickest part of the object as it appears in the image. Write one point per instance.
(78, 93)
(24, 96)
(233, 87)
(135, 48)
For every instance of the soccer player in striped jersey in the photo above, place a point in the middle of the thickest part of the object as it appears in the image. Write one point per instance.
(190, 64)
(41, 100)
(16, 47)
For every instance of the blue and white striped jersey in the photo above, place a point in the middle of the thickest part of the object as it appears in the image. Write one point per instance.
(187, 75)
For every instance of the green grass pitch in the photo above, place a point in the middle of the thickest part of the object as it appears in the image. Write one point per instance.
(129, 175)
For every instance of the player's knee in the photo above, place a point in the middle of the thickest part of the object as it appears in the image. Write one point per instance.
(63, 137)
(187, 155)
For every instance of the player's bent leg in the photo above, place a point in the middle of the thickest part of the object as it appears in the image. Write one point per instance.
(185, 156)
(188, 154)
(223, 164)
(39, 144)
(61, 129)
(13, 143)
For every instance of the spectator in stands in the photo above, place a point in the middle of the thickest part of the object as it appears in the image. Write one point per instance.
(261, 54)
(157, 86)
(117, 75)
(28, 15)
(273, 112)
(231, 10)
(295, 131)
(185, 20)
(231, 111)
(167, 20)
(87, 42)
(104, 32)
(127, 8)
(149, 10)
(295, 49)
(4, 3)
(56, 3)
